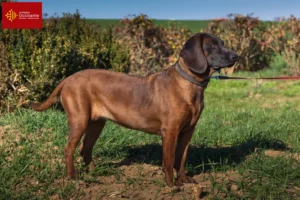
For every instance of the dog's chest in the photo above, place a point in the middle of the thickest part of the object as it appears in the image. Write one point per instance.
(196, 108)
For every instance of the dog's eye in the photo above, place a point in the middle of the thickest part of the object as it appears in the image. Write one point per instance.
(213, 46)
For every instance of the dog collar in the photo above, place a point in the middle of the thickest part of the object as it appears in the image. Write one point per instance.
(189, 78)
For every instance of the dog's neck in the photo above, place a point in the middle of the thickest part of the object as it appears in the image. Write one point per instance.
(200, 80)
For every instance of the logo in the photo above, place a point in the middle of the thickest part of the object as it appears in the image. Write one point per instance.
(11, 15)
(17, 15)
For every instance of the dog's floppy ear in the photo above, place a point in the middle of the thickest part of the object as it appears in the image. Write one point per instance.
(192, 54)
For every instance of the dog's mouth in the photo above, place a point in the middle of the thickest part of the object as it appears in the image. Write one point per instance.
(225, 66)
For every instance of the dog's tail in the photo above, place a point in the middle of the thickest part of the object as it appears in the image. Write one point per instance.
(52, 99)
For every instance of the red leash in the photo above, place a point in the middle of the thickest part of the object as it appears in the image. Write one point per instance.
(262, 78)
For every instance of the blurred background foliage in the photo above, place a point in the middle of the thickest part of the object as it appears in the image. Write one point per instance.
(33, 62)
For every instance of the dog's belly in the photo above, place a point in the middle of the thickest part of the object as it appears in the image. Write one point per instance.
(128, 117)
(152, 127)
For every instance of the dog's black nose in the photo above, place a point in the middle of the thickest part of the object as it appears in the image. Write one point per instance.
(234, 57)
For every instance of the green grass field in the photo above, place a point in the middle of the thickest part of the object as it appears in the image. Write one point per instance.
(246, 146)
(193, 25)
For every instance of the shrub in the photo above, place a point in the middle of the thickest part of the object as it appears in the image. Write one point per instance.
(152, 47)
(284, 39)
(33, 62)
(243, 35)
(37, 60)
(6, 87)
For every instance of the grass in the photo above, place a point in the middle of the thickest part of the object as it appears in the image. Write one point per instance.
(104, 22)
(193, 25)
(242, 120)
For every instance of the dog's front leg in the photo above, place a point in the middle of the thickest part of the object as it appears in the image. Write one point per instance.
(181, 153)
(169, 139)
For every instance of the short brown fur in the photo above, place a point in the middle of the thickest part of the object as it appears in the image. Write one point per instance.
(164, 103)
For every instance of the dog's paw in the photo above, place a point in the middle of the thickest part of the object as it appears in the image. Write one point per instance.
(184, 179)
(189, 179)
(91, 166)
(179, 183)
(172, 189)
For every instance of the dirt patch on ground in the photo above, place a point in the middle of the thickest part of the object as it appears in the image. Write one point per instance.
(279, 101)
(126, 180)
(143, 181)
(274, 153)
(2, 136)
(274, 101)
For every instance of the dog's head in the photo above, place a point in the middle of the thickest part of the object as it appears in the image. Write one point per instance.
(204, 50)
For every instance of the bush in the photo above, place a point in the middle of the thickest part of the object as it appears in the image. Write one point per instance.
(6, 90)
(243, 34)
(284, 39)
(152, 47)
(36, 61)
(33, 62)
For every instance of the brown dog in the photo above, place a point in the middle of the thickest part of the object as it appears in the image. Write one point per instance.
(168, 103)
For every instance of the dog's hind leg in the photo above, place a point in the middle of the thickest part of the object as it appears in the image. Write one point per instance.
(77, 123)
(92, 134)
